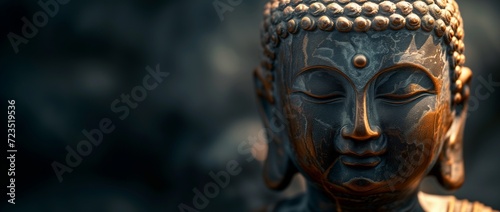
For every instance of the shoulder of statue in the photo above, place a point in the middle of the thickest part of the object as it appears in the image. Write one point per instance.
(451, 204)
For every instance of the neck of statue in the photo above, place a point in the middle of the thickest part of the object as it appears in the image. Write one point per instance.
(317, 200)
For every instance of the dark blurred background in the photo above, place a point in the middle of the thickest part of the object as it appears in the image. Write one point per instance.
(90, 52)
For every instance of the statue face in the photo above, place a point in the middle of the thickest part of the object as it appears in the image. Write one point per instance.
(367, 112)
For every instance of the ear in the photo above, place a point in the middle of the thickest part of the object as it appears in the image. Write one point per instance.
(449, 168)
(278, 168)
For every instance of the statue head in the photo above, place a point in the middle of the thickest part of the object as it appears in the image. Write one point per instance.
(363, 97)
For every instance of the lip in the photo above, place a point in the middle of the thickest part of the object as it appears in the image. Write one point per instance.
(360, 161)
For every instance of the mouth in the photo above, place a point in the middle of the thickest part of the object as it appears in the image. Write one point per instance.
(362, 162)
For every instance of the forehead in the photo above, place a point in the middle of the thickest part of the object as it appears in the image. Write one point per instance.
(383, 50)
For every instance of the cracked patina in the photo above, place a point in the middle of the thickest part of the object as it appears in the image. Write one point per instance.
(375, 96)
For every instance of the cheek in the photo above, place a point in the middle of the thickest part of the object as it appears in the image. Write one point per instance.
(410, 132)
(432, 128)
(313, 129)
(302, 150)
(415, 135)
(431, 132)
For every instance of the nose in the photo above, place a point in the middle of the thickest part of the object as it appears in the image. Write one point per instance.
(362, 130)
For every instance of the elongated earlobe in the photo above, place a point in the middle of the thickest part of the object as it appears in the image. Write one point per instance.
(449, 169)
(278, 168)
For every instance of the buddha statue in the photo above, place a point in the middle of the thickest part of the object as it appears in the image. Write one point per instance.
(364, 98)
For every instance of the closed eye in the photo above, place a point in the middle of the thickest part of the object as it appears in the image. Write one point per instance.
(404, 84)
(404, 98)
(320, 99)
(320, 85)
